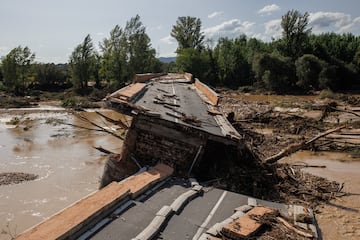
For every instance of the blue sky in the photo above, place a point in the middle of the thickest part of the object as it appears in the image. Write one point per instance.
(52, 29)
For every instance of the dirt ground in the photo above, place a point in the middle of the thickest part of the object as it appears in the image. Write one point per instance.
(270, 124)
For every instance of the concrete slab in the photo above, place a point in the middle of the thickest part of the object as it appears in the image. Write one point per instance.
(143, 181)
(130, 223)
(67, 222)
(129, 91)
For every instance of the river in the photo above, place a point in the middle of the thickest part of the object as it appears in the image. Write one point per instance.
(63, 157)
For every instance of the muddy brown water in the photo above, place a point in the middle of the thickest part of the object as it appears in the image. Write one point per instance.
(63, 157)
(340, 218)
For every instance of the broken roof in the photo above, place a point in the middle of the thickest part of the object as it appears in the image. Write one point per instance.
(176, 98)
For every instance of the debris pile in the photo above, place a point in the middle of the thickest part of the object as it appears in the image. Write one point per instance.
(16, 177)
(265, 223)
(273, 132)
(271, 125)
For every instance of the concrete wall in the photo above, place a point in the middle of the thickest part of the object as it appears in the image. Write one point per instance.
(141, 78)
(188, 76)
(208, 92)
(160, 140)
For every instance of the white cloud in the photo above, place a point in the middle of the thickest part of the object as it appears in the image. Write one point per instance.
(168, 40)
(159, 27)
(353, 27)
(3, 50)
(231, 29)
(356, 20)
(329, 21)
(100, 34)
(215, 14)
(272, 30)
(269, 9)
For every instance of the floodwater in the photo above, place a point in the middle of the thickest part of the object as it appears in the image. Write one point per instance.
(339, 219)
(63, 157)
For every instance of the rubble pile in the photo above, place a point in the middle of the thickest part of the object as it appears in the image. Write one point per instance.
(269, 129)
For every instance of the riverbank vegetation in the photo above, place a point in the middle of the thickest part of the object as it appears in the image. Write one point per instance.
(299, 62)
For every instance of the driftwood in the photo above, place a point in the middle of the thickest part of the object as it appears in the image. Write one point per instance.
(345, 111)
(103, 150)
(308, 166)
(98, 127)
(289, 226)
(298, 146)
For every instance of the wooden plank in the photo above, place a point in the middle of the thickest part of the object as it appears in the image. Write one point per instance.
(245, 226)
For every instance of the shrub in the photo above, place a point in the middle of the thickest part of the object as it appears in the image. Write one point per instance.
(327, 93)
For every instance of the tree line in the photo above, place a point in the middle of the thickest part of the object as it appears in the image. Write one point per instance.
(297, 62)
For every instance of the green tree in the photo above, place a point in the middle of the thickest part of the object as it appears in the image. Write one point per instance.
(187, 33)
(96, 70)
(193, 61)
(233, 68)
(49, 75)
(81, 61)
(126, 52)
(329, 77)
(140, 53)
(16, 68)
(1, 74)
(191, 56)
(295, 34)
(113, 67)
(308, 68)
(339, 46)
(275, 73)
(356, 60)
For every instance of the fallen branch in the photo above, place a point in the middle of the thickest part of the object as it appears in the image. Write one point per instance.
(345, 111)
(99, 128)
(289, 226)
(308, 166)
(103, 150)
(299, 146)
(324, 134)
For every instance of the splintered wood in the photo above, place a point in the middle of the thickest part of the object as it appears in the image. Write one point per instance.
(246, 226)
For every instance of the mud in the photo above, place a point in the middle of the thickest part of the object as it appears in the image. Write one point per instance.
(34, 143)
(16, 177)
(339, 218)
(271, 123)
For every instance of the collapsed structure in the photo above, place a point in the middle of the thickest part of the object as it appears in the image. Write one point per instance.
(176, 130)
(176, 121)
